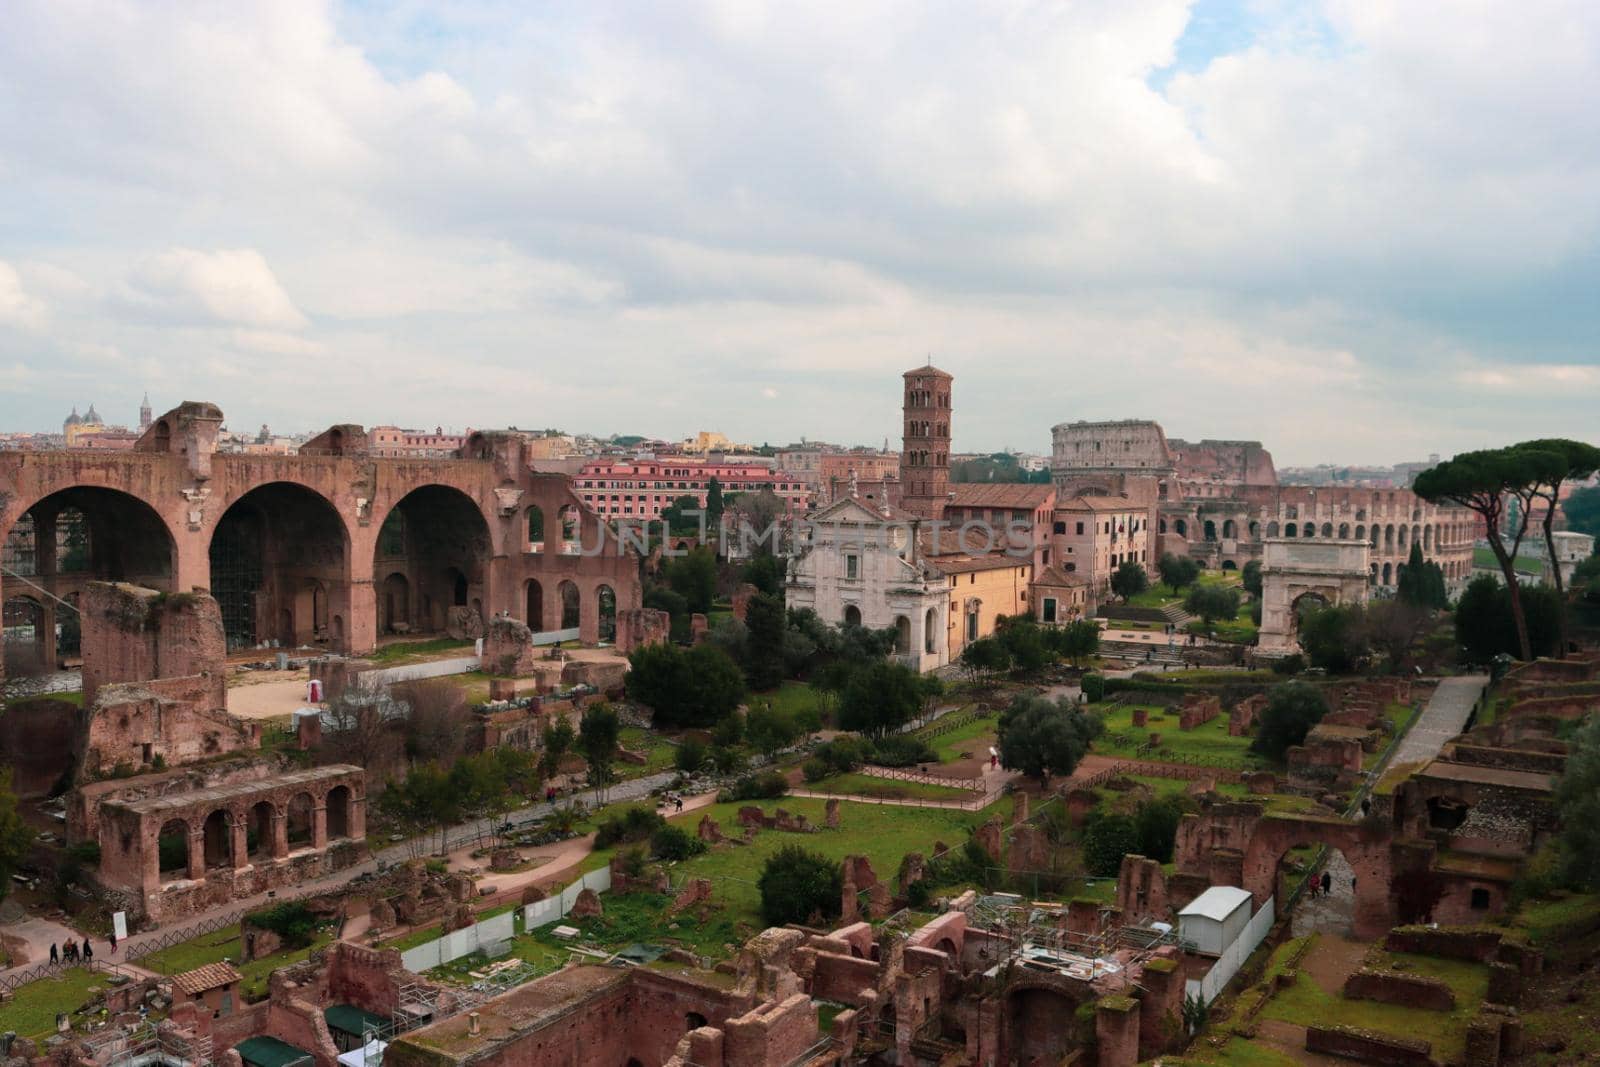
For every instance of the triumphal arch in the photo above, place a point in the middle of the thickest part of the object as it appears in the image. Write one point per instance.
(1298, 574)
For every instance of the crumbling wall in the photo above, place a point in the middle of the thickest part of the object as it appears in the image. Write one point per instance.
(133, 634)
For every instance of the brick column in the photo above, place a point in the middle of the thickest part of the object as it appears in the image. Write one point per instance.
(1116, 1026)
(280, 833)
(319, 824)
(1160, 1010)
(197, 853)
(240, 826)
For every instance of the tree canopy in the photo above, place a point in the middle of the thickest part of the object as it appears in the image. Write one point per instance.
(1178, 571)
(1293, 708)
(1485, 482)
(698, 686)
(1484, 625)
(798, 886)
(15, 835)
(1211, 603)
(1129, 580)
(881, 697)
(1578, 801)
(1251, 578)
(693, 576)
(1041, 737)
(1421, 582)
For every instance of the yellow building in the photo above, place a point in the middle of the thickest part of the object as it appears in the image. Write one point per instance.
(982, 586)
(77, 426)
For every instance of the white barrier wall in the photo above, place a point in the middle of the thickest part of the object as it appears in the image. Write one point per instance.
(550, 909)
(437, 668)
(1233, 957)
(462, 942)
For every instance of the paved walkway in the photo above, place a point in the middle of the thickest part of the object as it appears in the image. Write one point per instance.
(1441, 720)
(457, 837)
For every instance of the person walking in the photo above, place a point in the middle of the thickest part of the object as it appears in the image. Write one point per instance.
(1327, 883)
(88, 950)
(55, 954)
(113, 942)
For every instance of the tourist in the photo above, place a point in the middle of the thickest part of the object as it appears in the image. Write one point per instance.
(88, 950)
(113, 940)
(679, 801)
(55, 956)
(1327, 883)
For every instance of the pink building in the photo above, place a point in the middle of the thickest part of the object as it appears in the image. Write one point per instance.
(641, 488)
(414, 444)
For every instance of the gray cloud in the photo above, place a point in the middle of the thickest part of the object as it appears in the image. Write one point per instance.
(1357, 236)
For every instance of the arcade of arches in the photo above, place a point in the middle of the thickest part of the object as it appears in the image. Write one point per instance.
(333, 548)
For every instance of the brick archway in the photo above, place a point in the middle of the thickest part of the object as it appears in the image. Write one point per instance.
(1365, 848)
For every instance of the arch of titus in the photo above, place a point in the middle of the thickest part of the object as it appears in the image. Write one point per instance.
(1335, 572)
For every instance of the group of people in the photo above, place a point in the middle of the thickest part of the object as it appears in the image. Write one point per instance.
(71, 952)
(672, 800)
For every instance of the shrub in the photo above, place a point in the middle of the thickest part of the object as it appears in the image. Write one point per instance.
(815, 769)
(1105, 841)
(797, 885)
(763, 786)
(1094, 688)
(633, 825)
(291, 920)
(843, 754)
(691, 756)
(902, 751)
(1289, 665)
(674, 843)
(1293, 708)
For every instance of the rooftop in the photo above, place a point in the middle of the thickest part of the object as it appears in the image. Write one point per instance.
(524, 1009)
(210, 976)
(1218, 902)
(1504, 777)
(221, 794)
(1000, 495)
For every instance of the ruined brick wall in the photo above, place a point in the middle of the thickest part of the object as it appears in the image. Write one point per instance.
(1393, 987)
(1513, 758)
(1366, 1046)
(132, 634)
(163, 721)
(39, 740)
(771, 1033)
(368, 978)
(508, 649)
(1474, 943)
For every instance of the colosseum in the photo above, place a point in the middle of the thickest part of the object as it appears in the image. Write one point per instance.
(1218, 501)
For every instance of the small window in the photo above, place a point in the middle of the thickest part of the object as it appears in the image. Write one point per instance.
(1480, 900)
(852, 566)
(1080, 529)
(1060, 527)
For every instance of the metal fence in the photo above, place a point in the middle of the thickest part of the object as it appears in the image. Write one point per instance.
(550, 909)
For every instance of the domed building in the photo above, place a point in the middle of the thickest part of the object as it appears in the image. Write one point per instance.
(77, 426)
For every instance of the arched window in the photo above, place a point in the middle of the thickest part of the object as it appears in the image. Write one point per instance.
(535, 528)
(1291, 530)
(1344, 531)
(930, 631)
(571, 610)
(1272, 529)
(1211, 530)
(1181, 528)
(338, 803)
(852, 615)
(606, 604)
(218, 838)
(1327, 529)
(1229, 529)
(300, 815)
(172, 850)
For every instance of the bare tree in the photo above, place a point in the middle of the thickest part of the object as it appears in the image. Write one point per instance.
(436, 725)
(362, 725)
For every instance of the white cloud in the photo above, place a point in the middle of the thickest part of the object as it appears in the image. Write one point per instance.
(232, 287)
(17, 307)
(616, 215)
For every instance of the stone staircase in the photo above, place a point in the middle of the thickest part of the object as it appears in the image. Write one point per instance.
(1177, 616)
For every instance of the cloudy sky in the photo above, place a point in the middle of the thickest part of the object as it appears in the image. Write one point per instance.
(1359, 231)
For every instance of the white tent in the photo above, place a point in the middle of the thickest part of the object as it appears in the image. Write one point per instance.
(370, 1053)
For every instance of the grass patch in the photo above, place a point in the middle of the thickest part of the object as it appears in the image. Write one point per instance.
(32, 1011)
(867, 785)
(406, 650)
(225, 944)
(660, 755)
(791, 697)
(1306, 1004)
(1207, 744)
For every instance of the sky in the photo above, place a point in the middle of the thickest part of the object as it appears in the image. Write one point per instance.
(1357, 231)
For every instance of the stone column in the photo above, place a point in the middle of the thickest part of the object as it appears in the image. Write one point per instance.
(197, 853)
(47, 633)
(280, 833)
(357, 817)
(239, 826)
(319, 824)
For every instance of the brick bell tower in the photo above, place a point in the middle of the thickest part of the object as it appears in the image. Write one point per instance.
(925, 454)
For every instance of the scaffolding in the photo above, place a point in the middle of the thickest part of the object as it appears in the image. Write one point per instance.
(236, 575)
(1039, 938)
(145, 1043)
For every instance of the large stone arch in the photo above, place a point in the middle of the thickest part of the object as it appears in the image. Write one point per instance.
(65, 538)
(439, 538)
(1366, 848)
(281, 566)
(1335, 571)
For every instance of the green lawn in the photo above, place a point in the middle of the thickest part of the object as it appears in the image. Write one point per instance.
(661, 754)
(968, 737)
(790, 697)
(32, 1011)
(404, 650)
(1306, 1004)
(867, 785)
(224, 944)
(882, 833)
(1484, 557)
(1208, 744)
